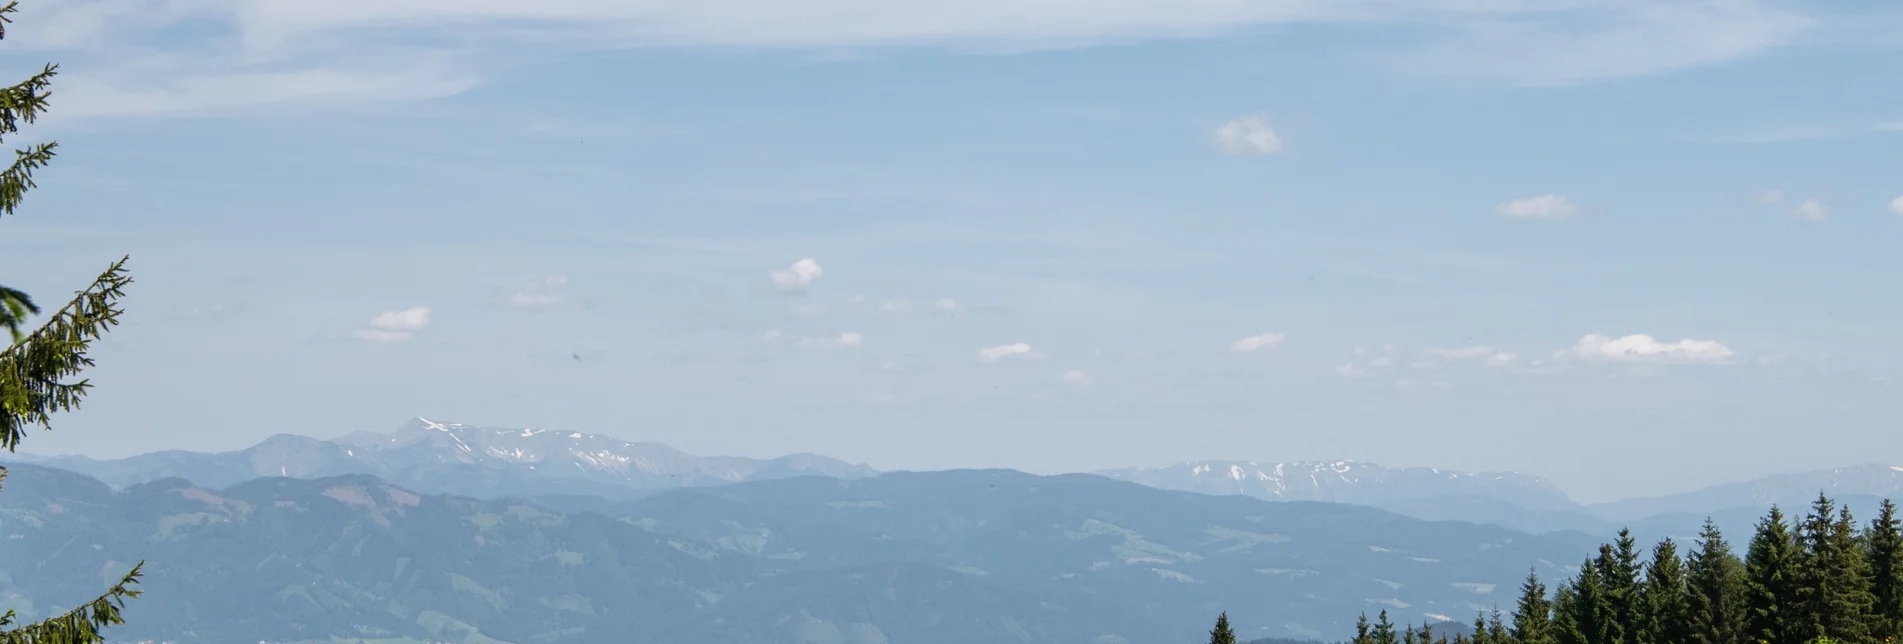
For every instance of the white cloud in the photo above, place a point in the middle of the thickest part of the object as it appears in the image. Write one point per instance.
(841, 341)
(796, 276)
(1256, 343)
(1810, 210)
(948, 305)
(545, 293)
(1077, 377)
(1896, 206)
(1771, 197)
(895, 306)
(1005, 351)
(1641, 348)
(1540, 207)
(395, 326)
(1488, 355)
(1248, 135)
(1349, 370)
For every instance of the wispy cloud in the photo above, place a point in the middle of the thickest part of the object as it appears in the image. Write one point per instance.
(253, 53)
(1004, 352)
(1077, 377)
(1256, 343)
(1811, 210)
(1571, 43)
(1540, 207)
(545, 293)
(395, 326)
(1896, 206)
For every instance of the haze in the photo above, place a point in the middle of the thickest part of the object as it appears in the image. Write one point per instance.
(1567, 241)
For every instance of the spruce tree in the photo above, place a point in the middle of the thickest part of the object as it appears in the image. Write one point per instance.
(1362, 633)
(1565, 626)
(1771, 582)
(1663, 594)
(1532, 617)
(1384, 630)
(1833, 593)
(1619, 574)
(1714, 601)
(37, 368)
(1480, 629)
(1497, 627)
(1221, 633)
(1590, 615)
(1883, 547)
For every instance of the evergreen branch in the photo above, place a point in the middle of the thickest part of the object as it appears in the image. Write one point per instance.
(23, 102)
(81, 625)
(15, 306)
(18, 177)
(32, 371)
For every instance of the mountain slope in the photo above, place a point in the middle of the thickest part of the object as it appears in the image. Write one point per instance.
(1517, 501)
(1791, 491)
(928, 558)
(432, 456)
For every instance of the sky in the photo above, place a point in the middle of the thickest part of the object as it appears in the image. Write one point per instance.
(1635, 247)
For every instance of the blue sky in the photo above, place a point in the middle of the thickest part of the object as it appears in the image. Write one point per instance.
(1553, 236)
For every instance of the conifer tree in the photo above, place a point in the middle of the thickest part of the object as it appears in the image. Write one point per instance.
(1619, 574)
(1883, 547)
(1714, 602)
(1384, 630)
(1663, 602)
(37, 367)
(1480, 630)
(1221, 633)
(1833, 594)
(1771, 581)
(1582, 613)
(1497, 627)
(1362, 633)
(1532, 617)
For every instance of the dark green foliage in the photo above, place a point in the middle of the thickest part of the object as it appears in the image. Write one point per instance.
(1618, 569)
(1883, 544)
(1532, 616)
(36, 368)
(1363, 633)
(1771, 582)
(1384, 630)
(1715, 591)
(1221, 634)
(1833, 593)
(1665, 613)
(15, 307)
(1825, 581)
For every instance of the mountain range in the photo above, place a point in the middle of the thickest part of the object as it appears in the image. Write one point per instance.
(488, 462)
(923, 558)
(432, 457)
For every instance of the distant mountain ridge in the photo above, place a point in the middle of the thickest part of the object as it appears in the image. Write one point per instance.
(1794, 490)
(490, 462)
(1346, 482)
(439, 457)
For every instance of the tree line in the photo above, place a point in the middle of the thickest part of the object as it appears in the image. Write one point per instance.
(1820, 578)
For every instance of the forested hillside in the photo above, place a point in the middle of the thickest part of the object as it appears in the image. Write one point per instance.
(1819, 578)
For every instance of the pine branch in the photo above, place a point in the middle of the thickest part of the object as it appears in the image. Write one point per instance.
(81, 625)
(33, 371)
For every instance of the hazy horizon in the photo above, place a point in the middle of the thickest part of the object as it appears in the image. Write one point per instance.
(1568, 241)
